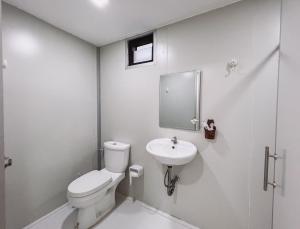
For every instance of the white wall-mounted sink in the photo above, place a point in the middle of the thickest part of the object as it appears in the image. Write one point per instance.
(168, 153)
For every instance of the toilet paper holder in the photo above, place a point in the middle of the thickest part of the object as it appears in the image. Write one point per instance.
(135, 171)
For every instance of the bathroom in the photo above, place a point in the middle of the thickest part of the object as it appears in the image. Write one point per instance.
(149, 114)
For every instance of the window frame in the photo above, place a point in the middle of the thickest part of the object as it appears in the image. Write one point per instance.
(146, 63)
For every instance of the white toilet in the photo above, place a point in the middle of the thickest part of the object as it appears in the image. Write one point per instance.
(94, 193)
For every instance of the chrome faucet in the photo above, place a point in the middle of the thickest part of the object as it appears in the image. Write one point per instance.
(174, 140)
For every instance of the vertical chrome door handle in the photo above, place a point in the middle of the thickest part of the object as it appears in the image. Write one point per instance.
(266, 169)
(7, 162)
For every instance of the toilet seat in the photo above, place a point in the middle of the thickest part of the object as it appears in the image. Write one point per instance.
(89, 183)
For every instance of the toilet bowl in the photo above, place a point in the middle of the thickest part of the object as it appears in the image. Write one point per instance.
(94, 192)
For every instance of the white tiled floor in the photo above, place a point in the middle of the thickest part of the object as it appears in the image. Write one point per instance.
(127, 215)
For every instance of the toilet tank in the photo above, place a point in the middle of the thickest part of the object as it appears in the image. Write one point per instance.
(116, 156)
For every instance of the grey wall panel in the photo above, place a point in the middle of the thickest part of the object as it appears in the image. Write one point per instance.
(50, 104)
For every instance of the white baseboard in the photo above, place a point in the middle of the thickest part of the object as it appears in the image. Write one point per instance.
(166, 215)
(55, 211)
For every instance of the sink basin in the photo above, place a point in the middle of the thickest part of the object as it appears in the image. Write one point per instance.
(168, 153)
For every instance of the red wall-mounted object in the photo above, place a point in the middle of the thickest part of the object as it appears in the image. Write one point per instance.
(210, 129)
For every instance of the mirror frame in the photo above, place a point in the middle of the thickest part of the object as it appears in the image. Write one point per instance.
(198, 76)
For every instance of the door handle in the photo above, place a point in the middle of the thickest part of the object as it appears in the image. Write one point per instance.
(7, 162)
(266, 168)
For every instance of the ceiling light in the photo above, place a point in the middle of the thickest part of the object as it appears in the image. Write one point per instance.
(100, 3)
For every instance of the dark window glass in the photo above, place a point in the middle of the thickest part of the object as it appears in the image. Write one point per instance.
(140, 50)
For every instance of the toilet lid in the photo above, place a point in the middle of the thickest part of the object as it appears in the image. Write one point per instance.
(89, 183)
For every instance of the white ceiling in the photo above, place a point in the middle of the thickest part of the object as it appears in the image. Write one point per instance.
(119, 19)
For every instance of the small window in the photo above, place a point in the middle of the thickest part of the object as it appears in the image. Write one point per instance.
(140, 50)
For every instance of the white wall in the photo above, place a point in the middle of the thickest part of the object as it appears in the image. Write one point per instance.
(50, 103)
(287, 201)
(2, 170)
(222, 187)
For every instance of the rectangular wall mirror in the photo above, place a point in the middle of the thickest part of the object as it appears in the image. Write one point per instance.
(179, 100)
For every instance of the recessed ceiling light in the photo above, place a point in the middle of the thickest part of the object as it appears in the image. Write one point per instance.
(100, 3)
